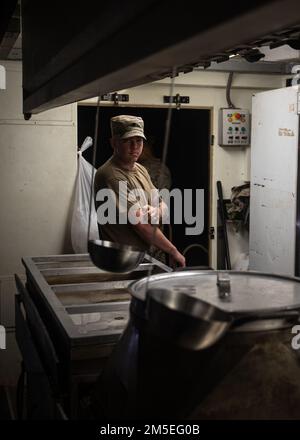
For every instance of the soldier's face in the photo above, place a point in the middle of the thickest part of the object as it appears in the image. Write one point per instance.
(128, 150)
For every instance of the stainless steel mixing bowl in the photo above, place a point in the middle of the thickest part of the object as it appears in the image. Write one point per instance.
(184, 320)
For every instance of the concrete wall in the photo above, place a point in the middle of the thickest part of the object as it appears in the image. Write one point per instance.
(231, 165)
(37, 175)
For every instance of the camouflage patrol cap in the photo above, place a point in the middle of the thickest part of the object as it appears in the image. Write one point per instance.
(126, 126)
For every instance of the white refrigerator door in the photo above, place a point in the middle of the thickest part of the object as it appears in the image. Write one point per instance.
(274, 171)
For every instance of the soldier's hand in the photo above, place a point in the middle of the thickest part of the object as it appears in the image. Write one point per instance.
(176, 258)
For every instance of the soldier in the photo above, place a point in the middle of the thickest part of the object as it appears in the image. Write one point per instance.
(131, 182)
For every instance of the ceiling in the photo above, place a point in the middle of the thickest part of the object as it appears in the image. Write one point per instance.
(10, 30)
(11, 40)
(72, 55)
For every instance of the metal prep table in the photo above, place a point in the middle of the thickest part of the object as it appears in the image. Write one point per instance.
(85, 311)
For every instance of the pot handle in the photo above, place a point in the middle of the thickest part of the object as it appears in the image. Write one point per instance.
(292, 314)
(224, 287)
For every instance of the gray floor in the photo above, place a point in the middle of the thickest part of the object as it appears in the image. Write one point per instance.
(4, 406)
(8, 403)
(10, 360)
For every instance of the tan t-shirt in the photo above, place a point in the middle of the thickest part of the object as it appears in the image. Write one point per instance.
(111, 176)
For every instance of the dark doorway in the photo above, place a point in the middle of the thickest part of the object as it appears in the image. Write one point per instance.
(188, 157)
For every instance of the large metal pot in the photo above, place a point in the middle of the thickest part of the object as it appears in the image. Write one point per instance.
(195, 338)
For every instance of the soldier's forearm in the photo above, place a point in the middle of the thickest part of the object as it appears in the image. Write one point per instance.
(154, 236)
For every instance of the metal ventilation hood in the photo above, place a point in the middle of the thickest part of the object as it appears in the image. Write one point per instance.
(74, 50)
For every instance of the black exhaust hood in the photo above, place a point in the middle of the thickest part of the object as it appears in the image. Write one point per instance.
(77, 50)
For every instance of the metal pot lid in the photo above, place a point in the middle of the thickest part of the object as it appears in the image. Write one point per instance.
(238, 293)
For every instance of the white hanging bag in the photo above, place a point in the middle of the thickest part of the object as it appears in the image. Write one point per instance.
(80, 218)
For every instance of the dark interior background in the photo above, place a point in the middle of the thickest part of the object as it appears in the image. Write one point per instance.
(187, 159)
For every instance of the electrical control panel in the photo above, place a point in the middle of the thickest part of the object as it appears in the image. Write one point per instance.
(234, 127)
